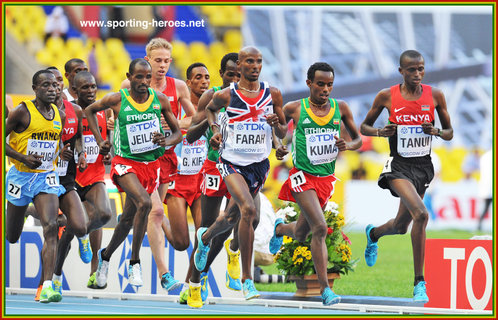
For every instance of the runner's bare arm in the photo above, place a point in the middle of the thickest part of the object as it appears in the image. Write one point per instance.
(111, 100)
(184, 101)
(176, 135)
(381, 101)
(199, 123)
(277, 120)
(348, 120)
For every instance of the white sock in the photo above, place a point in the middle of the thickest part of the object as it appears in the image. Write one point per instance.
(231, 251)
(193, 284)
(85, 237)
(57, 278)
(185, 286)
(47, 284)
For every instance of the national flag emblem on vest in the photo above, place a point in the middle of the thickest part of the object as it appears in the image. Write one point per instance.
(156, 106)
(425, 107)
(71, 120)
(57, 125)
(337, 121)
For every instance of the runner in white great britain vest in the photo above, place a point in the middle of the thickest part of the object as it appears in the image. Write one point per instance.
(246, 134)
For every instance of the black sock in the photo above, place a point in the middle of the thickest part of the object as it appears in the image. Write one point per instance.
(132, 262)
(418, 279)
(104, 256)
(372, 236)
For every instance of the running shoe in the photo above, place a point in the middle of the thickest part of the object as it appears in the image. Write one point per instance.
(194, 299)
(233, 284)
(92, 282)
(233, 265)
(329, 297)
(102, 269)
(49, 295)
(204, 286)
(57, 285)
(200, 257)
(168, 282)
(276, 241)
(371, 249)
(135, 275)
(184, 296)
(85, 249)
(250, 291)
(419, 293)
(38, 292)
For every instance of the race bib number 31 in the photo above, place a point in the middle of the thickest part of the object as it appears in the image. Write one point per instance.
(212, 182)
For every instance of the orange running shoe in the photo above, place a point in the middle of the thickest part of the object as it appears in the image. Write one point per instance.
(38, 292)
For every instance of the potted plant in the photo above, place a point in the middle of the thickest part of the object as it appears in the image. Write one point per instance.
(294, 258)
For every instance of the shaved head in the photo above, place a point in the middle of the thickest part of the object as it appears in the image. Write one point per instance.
(248, 51)
(82, 76)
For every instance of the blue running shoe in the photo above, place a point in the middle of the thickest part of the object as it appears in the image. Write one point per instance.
(85, 249)
(419, 293)
(204, 286)
(169, 283)
(250, 291)
(329, 297)
(233, 284)
(57, 286)
(371, 249)
(200, 257)
(276, 241)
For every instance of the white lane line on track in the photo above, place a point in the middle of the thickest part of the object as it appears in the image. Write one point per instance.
(120, 306)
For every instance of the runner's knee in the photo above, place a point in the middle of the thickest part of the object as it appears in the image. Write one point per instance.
(50, 228)
(105, 215)
(319, 231)
(421, 216)
(248, 212)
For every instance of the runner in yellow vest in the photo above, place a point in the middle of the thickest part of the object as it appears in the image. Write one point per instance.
(35, 129)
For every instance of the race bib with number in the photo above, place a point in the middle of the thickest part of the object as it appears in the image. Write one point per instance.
(387, 167)
(51, 180)
(249, 137)
(14, 190)
(91, 148)
(192, 156)
(212, 182)
(167, 133)
(297, 179)
(413, 142)
(122, 169)
(44, 148)
(321, 148)
(222, 169)
(61, 167)
(140, 135)
(171, 185)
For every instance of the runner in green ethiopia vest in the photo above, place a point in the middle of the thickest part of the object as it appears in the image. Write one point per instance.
(313, 146)
(135, 126)
(316, 143)
(213, 155)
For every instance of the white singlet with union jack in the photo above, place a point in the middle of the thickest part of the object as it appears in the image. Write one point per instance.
(246, 135)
